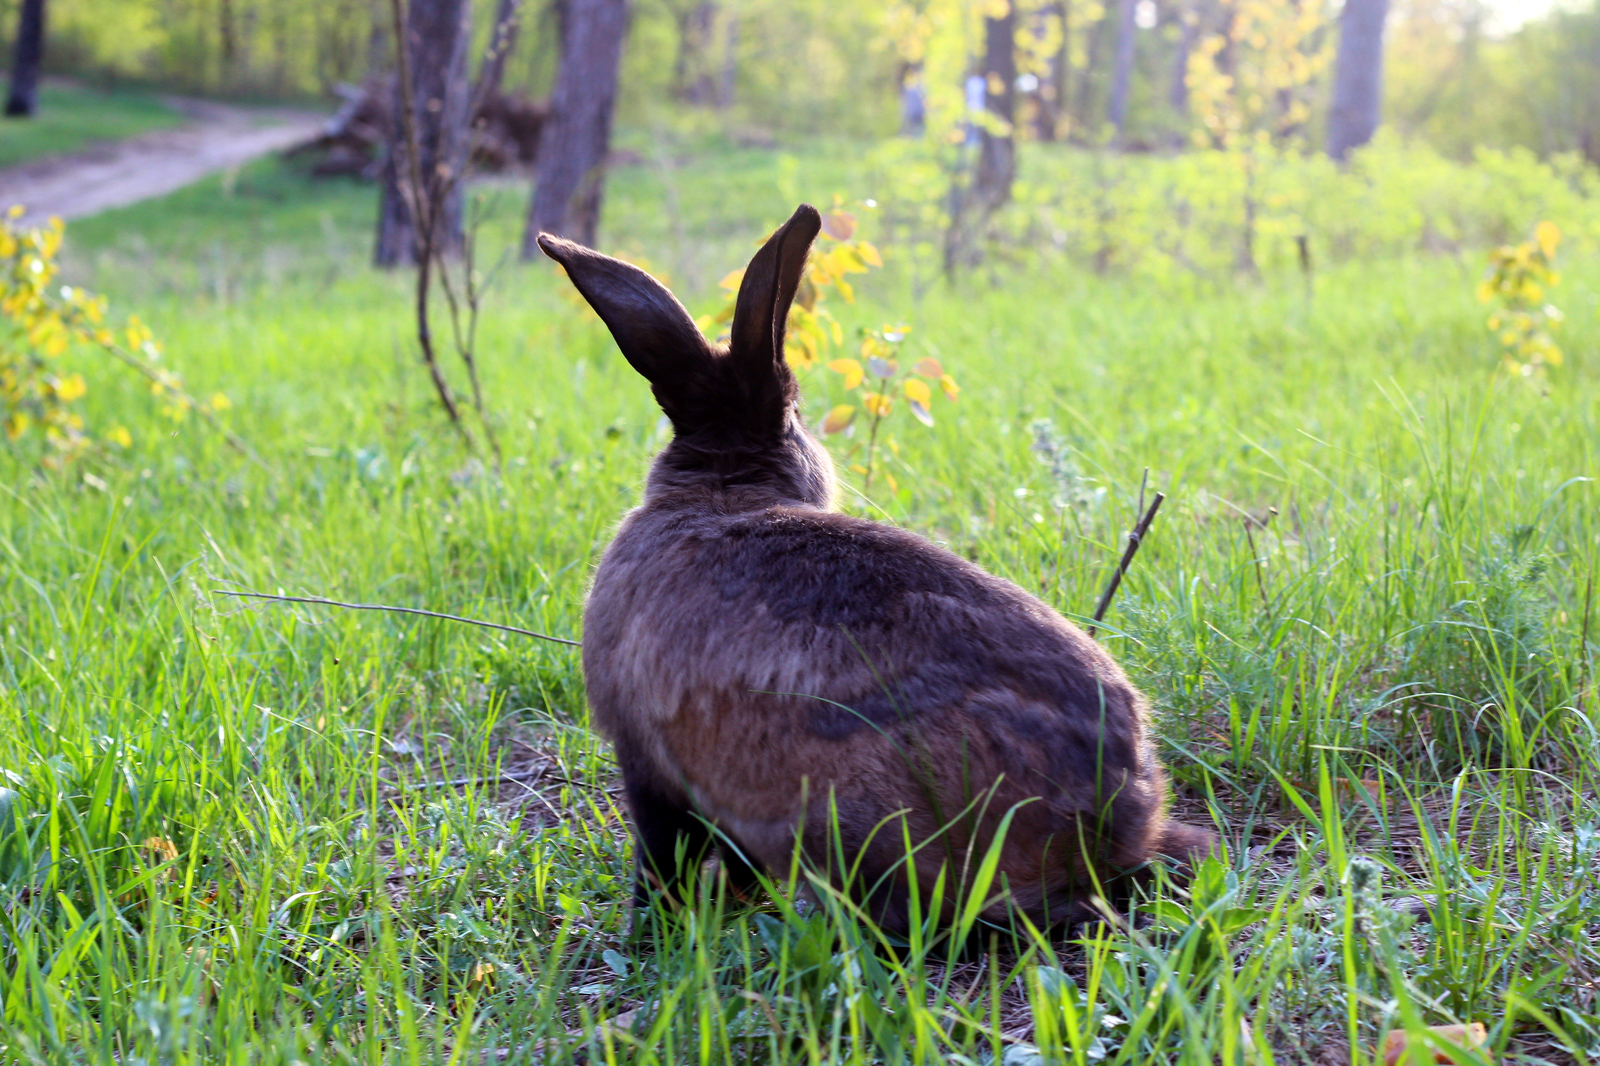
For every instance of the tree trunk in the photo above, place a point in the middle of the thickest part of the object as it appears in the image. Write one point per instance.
(502, 38)
(1178, 94)
(437, 34)
(1357, 77)
(997, 150)
(577, 135)
(1083, 98)
(730, 63)
(24, 97)
(1122, 70)
(1053, 95)
(997, 146)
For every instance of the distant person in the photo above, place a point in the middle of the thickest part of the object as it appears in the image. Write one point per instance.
(913, 107)
(977, 103)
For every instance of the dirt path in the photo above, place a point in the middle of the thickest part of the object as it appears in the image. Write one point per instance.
(117, 173)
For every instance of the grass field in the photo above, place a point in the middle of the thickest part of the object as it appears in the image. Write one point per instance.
(71, 116)
(274, 835)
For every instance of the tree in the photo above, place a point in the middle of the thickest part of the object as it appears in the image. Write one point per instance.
(1122, 71)
(577, 135)
(24, 97)
(1357, 76)
(996, 169)
(428, 139)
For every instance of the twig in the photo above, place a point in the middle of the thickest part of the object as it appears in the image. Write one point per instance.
(1583, 646)
(424, 203)
(496, 779)
(395, 610)
(1255, 558)
(1135, 538)
(236, 442)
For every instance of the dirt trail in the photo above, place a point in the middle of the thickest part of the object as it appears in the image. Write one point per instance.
(116, 173)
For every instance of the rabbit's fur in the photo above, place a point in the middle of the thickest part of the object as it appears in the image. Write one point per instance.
(766, 666)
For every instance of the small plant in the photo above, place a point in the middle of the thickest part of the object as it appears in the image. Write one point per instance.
(40, 323)
(1523, 325)
(880, 379)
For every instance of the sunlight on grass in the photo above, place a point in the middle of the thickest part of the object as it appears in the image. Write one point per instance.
(1360, 617)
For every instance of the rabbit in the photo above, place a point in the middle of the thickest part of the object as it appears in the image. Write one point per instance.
(768, 667)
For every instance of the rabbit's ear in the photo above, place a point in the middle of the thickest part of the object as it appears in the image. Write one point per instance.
(769, 285)
(651, 327)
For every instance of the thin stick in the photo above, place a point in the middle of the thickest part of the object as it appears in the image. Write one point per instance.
(496, 779)
(1255, 558)
(1135, 538)
(395, 610)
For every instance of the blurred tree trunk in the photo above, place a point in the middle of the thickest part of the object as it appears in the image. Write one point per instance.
(1053, 94)
(437, 33)
(26, 60)
(225, 35)
(997, 147)
(1178, 94)
(730, 63)
(577, 135)
(502, 38)
(1122, 69)
(691, 66)
(1357, 76)
(1083, 98)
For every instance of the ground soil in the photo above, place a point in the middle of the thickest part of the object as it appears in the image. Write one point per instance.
(117, 173)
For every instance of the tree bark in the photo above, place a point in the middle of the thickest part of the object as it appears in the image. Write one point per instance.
(997, 147)
(26, 61)
(1122, 69)
(502, 38)
(577, 135)
(437, 35)
(1053, 95)
(1178, 93)
(1357, 77)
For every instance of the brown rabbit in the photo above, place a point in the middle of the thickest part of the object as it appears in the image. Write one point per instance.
(766, 666)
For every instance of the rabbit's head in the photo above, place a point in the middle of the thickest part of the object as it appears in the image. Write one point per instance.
(735, 408)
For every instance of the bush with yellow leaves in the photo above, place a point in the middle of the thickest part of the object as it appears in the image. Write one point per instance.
(42, 322)
(1524, 325)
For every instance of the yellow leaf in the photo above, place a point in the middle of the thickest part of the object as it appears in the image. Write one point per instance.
(70, 388)
(845, 290)
(219, 401)
(839, 419)
(731, 282)
(17, 424)
(1473, 1036)
(869, 254)
(120, 437)
(840, 225)
(1548, 236)
(929, 368)
(159, 849)
(481, 971)
(851, 370)
(918, 393)
(877, 404)
(951, 389)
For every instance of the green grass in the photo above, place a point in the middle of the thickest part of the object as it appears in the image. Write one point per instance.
(73, 116)
(1411, 616)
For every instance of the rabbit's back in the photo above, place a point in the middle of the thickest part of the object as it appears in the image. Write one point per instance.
(758, 661)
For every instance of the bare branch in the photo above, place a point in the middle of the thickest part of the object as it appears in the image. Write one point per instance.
(1135, 538)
